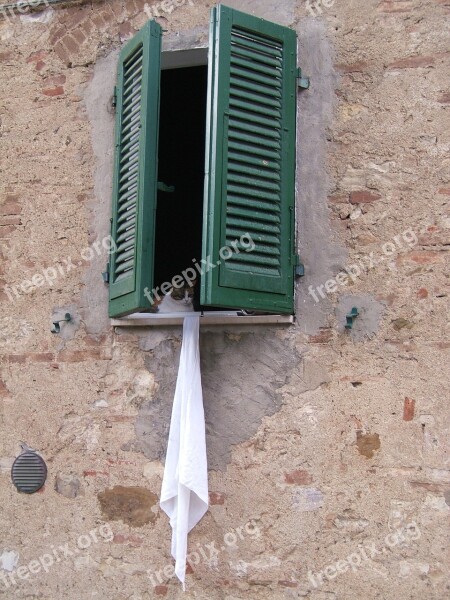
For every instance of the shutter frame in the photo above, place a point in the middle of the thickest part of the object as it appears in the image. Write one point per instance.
(126, 289)
(257, 283)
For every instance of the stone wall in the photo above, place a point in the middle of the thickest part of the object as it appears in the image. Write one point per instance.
(328, 448)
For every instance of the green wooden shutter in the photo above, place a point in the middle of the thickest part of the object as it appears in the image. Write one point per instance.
(135, 172)
(250, 163)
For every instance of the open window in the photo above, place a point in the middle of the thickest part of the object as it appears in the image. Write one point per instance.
(204, 173)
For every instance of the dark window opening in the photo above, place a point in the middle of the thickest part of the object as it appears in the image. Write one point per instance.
(181, 163)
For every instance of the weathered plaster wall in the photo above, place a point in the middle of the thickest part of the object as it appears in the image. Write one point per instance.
(321, 441)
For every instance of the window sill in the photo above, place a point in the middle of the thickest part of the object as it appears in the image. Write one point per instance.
(209, 318)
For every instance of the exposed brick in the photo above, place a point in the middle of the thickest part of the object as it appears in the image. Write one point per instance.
(56, 34)
(442, 345)
(31, 356)
(87, 27)
(444, 191)
(16, 358)
(3, 389)
(289, 584)
(57, 91)
(161, 590)
(324, 336)
(99, 21)
(116, 7)
(54, 80)
(140, 4)
(72, 17)
(125, 30)
(434, 488)
(408, 409)
(41, 356)
(111, 461)
(422, 293)
(93, 473)
(338, 199)
(62, 53)
(122, 418)
(82, 355)
(35, 57)
(402, 345)
(134, 7)
(189, 569)
(40, 65)
(10, 208)
(132, 540)
(355, 67)
(6, 230)
(79, 36)
(412, 62)
(124, 338)
(445, 98)
(420, 257)
(298, 477)
(4, 56)
(389, 299)
(9, 219)
(363, 197)
(434, 236)
(95, 340)
(216, 498)
(394, 6)
(71, 44)
(365, 239)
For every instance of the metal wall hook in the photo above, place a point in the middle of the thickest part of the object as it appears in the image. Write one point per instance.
(56, 324)
(26, 448)
(351, 317)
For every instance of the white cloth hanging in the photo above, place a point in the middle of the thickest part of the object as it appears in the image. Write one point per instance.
(184, 492)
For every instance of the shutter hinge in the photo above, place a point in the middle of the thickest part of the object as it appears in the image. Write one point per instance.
(105, 274)
(303, 82)
(114, 98)
(299, 267)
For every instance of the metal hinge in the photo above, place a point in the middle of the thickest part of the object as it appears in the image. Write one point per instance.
(114, 98)
(299, 269)
(303, 82)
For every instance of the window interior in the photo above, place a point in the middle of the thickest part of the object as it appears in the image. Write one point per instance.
(181, 163)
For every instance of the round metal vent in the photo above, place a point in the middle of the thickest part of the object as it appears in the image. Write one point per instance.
(29, 472)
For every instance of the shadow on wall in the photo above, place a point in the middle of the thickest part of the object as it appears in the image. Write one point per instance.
(241, 377)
